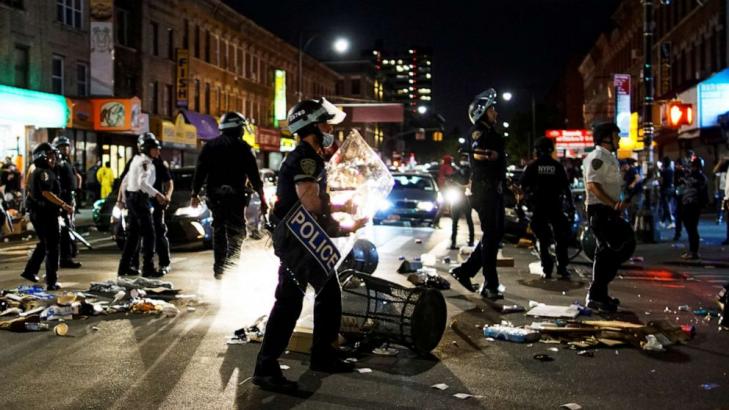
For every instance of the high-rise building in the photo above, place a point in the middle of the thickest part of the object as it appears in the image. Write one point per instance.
(406, 77)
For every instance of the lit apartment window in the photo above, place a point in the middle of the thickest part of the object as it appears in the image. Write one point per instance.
(70, 12)
(57, 74)
(82, 79)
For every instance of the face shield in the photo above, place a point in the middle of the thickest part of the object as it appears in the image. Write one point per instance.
(480, 104)
(333, 116)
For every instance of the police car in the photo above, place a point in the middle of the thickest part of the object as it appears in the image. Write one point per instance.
(414, 198)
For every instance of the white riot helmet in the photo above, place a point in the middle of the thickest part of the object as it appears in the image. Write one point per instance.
(480, 104)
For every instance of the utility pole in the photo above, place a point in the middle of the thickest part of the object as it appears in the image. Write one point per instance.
(646, 222)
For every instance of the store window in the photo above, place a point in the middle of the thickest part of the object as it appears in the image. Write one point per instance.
(154, 91)
(186, 34)
(197, 41)
(207, 46)
(21, 66)
(197, 96)
(168, 100)
(57, 74)
(70, 12)
(82, 79)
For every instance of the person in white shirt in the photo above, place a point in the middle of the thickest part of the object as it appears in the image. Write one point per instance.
(138, 188)
(603, 186)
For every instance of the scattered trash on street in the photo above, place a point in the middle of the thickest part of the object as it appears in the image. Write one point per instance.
(440, 386)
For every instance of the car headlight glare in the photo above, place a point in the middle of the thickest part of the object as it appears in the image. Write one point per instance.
(189, 211)
(426, 206)
(453, 196)
(385, 205)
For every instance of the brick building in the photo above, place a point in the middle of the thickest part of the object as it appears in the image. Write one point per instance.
(44, 47)
(690, 48)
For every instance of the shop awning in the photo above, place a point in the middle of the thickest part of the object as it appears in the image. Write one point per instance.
(175, 135)
(207, 126)
(27, 107)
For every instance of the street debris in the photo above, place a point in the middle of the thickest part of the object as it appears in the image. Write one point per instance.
(709, 386)
(440, 386)
(554, 311)
(463, 396)
(29, 308)
(385, 351)
(428, 259)
(512, 309)
(364, 370)
(570, 406)
(543, 357)
(510, 333)
(253, 333)
(429, 278)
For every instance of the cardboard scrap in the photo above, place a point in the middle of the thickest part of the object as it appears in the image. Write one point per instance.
(554, 311)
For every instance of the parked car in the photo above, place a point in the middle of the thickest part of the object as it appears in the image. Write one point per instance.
(184, 223)
(414, 198)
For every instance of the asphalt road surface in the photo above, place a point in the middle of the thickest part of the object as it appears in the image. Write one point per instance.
(140, 361)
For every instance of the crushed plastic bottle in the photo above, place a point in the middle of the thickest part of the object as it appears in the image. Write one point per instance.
(510, 333)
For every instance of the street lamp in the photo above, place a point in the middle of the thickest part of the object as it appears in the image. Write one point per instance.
(507, 96)
(422, 109)
(340, 45)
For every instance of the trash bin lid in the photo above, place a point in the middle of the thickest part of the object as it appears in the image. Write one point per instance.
(428, 321)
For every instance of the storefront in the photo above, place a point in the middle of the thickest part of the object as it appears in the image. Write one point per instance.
(179, 141)
(25, 117)
(118, 123)
(269, 143)
(571, 143)
(80, 129)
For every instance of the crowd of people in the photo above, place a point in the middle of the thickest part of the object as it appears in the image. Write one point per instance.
(302, 225)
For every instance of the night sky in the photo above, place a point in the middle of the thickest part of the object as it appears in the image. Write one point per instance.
(509, 44)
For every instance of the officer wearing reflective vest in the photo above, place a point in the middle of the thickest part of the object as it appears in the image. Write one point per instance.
(604, 209)
(69, 180)
(548, 195)
(224, 166)
(488, 162)
(302, 186)
(44, 204)
(139, 189)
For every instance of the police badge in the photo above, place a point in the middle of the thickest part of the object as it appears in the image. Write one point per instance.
(308, 165)
(476, 135)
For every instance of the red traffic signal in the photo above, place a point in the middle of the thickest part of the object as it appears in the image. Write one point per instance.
(679, 114)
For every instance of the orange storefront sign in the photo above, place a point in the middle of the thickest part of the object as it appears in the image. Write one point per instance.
(81, 114)
(116, 114)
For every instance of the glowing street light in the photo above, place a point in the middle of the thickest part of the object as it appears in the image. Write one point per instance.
(341, 45)
(506, 96)
(422, 109)
(506, 124)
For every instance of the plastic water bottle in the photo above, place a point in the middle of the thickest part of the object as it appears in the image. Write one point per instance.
(510, 333)
(35, 326)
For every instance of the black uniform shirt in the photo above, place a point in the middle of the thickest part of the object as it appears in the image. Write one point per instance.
(66, 175)
(485, 137)
(226, 161)
(162, 172)
(546, 184)
(301, 164)
(43, 179)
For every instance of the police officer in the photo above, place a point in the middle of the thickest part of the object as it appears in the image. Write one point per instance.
(302, 179)
(224, 165)
(547, 191)
(462, 207)
(44, 204)
(69, 180)
(163, 183)
(604, 209)
(138, 186)
(488, 162)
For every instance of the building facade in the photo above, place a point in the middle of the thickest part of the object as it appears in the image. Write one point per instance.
(690, 48)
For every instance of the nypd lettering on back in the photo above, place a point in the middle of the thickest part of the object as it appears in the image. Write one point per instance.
(305, 228)
(546, 170)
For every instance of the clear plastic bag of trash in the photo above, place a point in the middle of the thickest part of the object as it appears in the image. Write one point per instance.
(652, 344)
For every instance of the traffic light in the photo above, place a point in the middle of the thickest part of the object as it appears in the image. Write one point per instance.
(678, 114)
(438, 136)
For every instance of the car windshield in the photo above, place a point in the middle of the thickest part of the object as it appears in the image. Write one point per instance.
(413, 182)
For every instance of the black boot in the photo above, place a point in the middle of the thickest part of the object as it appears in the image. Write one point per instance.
(463, 278)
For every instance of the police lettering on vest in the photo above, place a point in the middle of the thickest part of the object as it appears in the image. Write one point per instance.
(304, 227)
